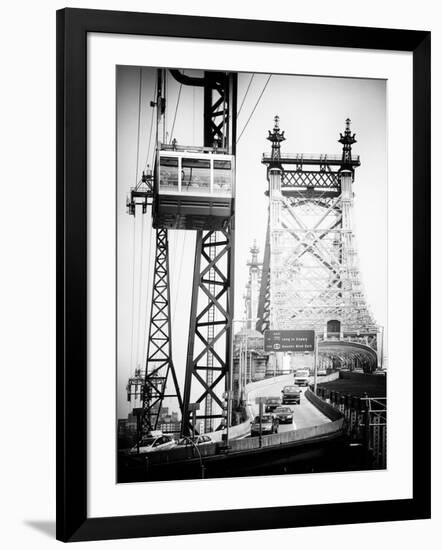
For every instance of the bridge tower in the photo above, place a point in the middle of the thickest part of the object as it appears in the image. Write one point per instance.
(251, 297)
(311, 279)
(192, 189)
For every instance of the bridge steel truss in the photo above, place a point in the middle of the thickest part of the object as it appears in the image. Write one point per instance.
(209, 347)
(310, 270)
(159, 363)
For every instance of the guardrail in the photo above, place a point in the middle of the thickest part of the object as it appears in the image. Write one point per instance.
(365, 420)
(323, 406)
(252, 443)
(328, 377)
(303, 434)
(311, 158)
(333, 428)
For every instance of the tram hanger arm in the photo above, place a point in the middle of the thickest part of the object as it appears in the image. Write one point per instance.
(187, 80)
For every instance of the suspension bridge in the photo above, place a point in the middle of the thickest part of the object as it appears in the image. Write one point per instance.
(308, 282)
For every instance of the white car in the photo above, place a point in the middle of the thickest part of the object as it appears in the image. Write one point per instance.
(151, 444)
(302, 377)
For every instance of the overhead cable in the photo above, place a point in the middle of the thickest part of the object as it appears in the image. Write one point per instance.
(245, 95)
(139, 125)
(176, 111)
(254, 108)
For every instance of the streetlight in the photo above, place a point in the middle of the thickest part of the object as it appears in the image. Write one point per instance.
(189, 440)
(242, 370)
(229, 392)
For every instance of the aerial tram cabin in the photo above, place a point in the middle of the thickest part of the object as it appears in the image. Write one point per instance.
(193, 188)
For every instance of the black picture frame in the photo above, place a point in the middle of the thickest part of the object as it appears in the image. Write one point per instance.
(73, 25)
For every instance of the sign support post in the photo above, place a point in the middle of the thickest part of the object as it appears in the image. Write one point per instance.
(260, 401)
(138, 412)
(315, 379)
(260, 423)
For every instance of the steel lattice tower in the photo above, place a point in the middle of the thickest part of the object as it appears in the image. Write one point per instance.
(209, 352)
(310, 273)
(159, 364)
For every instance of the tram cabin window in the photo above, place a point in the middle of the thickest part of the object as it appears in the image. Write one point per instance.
(169, 173)
(222, 177)
(195, 175)
(199, 174)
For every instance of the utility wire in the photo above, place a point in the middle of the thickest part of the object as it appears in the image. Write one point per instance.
(245, 95)
(139, 126)
(176, 111)
(133, 297)
(254, 108)
(140, 289)
(134, 225)
(151, 124)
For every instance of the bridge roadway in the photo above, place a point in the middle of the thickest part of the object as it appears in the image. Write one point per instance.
(305, 414)
(296, 451)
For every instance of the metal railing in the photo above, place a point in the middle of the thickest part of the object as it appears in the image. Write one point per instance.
(309, 157)
(366, 421)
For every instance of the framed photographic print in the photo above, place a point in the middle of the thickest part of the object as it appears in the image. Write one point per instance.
(243, 301)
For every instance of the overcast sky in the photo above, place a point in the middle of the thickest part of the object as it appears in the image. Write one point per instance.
(312, 113)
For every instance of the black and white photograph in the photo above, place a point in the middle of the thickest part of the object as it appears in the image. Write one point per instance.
(251, 228)
(221, 254)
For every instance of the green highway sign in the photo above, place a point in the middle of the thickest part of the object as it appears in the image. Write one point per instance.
(289, 340)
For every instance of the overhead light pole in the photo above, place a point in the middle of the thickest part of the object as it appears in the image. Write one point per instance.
(229, 393)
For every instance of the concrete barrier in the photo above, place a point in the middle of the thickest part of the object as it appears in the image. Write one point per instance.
(243, 429)
(327, 409)
(329, 428)
(248, 444)
(328, 377)
(303, 434)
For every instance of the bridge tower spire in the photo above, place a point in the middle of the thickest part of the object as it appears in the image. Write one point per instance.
(276, 137)
(347, 140)
(252, 287)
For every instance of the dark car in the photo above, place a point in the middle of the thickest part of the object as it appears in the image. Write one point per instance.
(284, 415)
(197, 440)
(291, 395)
(269, 425)
(272, 403)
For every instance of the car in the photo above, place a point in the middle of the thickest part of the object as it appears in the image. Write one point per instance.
(153, 443)
(321, 372)
(269, 425)
(271, 403)
(284, 415)
(291, 395)
(302, 377)
(196, 440)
